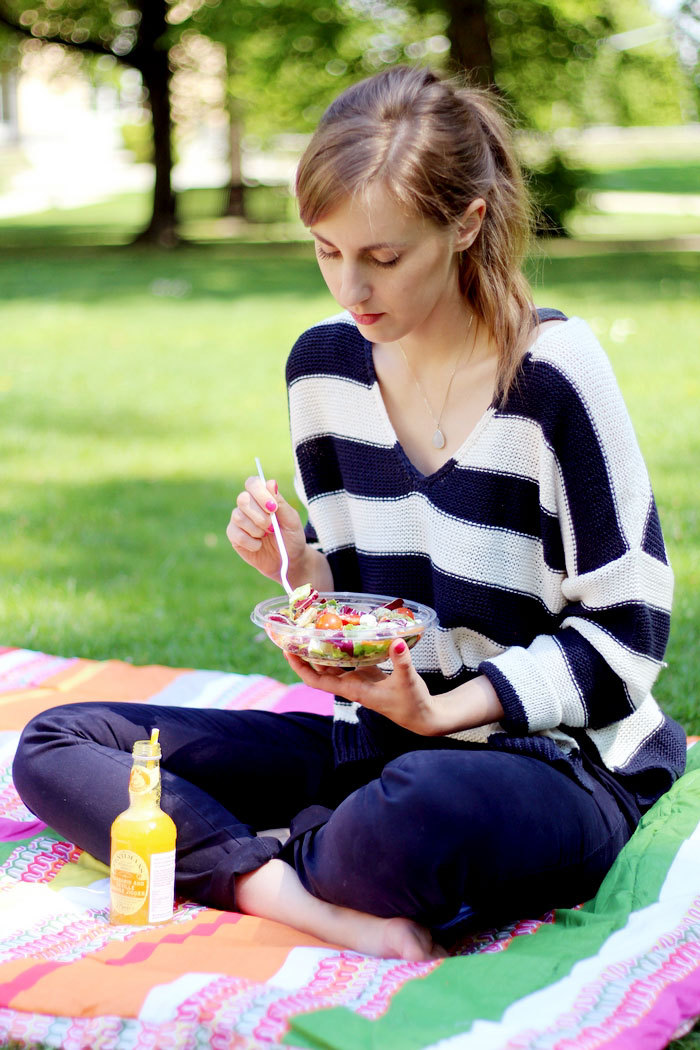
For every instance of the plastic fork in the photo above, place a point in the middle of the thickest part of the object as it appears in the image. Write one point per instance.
(278, 536)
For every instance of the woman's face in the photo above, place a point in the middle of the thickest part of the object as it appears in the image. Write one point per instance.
(396, 273)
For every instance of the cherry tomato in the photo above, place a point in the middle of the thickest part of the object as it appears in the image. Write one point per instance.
(350, 617)
(403, 611)
(328, 621)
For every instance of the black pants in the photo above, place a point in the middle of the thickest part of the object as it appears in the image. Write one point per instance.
(419, 836)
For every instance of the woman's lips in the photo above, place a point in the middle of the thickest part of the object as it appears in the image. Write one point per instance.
(365, 319)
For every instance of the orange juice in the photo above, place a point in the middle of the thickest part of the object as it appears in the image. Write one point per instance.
(142, 864)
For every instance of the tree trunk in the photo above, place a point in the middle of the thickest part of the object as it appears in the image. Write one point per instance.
(9, 112)
(151, 58)
(468, 34)
(235, 200)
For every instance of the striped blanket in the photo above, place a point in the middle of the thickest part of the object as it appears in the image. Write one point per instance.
(620, 972)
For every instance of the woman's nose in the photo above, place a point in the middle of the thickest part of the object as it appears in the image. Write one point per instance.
(354, 288)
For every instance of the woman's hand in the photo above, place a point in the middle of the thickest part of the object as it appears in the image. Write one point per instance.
(251, 535)
(403, 696)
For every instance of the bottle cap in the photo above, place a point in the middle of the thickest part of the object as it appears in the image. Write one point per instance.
(147, 748)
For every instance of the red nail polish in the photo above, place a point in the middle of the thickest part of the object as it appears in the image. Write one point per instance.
(270, 528)
(276, 488)
(271, 506)
(400, 647)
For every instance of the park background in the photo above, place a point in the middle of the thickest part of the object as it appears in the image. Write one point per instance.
(145, 320)
(143, 334)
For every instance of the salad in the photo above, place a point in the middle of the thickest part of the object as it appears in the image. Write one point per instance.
(341, 628)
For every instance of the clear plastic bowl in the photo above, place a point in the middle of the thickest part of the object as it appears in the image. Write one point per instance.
(360, 647)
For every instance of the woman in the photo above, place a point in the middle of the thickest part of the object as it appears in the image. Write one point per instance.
(456, 447)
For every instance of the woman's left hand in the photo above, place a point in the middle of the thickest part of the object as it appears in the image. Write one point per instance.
(401, 696)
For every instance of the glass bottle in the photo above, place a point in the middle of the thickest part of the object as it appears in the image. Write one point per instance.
(142, 862)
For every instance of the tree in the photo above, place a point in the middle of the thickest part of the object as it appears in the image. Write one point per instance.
(688, 32)
(137, 34)
(468, 30)
(559, 62)
(285, 60)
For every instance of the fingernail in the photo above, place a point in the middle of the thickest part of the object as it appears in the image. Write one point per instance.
(400, 647)
(270, 528)
(276, 488)
(271, 506)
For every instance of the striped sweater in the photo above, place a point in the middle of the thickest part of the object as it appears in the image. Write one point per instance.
(538, 543)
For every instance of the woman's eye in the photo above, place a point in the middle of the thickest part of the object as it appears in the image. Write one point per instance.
(384, 262)
(373, 260)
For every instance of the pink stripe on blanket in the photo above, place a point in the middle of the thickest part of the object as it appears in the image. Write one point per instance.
(16, 830)
(667, 1009)
(144, 950)
(26, 979)
(27, 669)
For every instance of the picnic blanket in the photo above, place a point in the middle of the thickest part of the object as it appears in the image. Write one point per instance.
(620, 972)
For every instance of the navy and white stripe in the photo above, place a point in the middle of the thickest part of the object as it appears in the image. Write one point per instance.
(538, 543)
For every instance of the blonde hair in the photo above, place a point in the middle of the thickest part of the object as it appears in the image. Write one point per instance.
(437, 147)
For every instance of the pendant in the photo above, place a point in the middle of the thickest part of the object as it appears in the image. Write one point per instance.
(438, 439)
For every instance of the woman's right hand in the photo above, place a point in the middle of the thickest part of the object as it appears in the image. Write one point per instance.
(250, 529)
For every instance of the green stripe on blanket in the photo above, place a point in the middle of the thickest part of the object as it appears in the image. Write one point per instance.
(481, 987)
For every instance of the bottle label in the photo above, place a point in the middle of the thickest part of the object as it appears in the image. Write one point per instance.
(142, 780)
(128, 882)
(160, 905)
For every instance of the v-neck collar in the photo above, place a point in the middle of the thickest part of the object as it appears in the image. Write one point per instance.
(460, 454)
(407, 463)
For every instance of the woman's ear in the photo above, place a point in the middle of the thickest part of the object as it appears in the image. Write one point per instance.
(470, 224)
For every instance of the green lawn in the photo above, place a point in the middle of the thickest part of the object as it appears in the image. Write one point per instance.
(137, 387)
(650, 178)
(649, 220)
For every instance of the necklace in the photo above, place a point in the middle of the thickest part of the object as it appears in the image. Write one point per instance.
(438, 438)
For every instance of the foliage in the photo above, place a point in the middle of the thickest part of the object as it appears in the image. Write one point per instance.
(92, 26)
(555, 60)
(688, 31)
(137, 138)
(288, 61)
(266, 66)
(552, 58)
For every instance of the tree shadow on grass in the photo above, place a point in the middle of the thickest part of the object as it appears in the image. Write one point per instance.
(650, 178)
(226, 272)
(622, 276)
(89, 275)
(139, 570)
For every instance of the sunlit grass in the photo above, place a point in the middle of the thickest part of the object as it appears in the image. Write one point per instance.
(136, 388)
(272, 213)
(659, 177)
(633, 226)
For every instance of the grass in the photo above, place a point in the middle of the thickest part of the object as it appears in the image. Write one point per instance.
(117, 221)
(131, 420)
(137, 387)
(688, 1042)
(649, 221)
(650, 178)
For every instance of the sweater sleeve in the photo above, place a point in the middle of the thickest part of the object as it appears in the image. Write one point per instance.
(600, 664)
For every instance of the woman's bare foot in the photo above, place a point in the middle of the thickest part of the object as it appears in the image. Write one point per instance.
(275, 892)
(401, 939)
